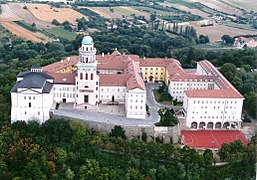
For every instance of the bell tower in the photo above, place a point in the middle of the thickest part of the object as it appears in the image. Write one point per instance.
(87, 80)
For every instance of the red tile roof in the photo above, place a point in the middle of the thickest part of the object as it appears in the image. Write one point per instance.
(63, 78)
(226, 90)
(113, 79)
(57, 66)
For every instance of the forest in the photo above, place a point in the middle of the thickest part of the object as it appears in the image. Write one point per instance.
(67, 149)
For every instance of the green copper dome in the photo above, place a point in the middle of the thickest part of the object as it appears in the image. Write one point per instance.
(87, 40)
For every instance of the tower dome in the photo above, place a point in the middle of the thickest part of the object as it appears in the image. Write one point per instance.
(87, 40)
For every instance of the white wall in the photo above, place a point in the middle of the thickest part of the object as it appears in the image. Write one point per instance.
(212, 110)
(177, 88)
(136, 104)
(106, 93)
(64, 91)
(40, 105)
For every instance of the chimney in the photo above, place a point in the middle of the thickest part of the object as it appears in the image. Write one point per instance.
(144, 58)
(123, 53)
(102, 54)
(62, 61)
(108, 53)
(68, 58)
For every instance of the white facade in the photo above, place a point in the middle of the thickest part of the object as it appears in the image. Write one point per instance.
(135, 103)
(32, 102)
(64, 93)
(87, 80)
(112, 94)
(177, 88)
(213, 113)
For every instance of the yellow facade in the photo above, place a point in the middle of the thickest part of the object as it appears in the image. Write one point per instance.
(152, 74)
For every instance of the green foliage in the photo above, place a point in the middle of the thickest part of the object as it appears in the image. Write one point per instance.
(118, 131)
(30, 27)
(162, 95)
(136, 41)
(55, 22)
(71, 151)
(62, 33)
(227, 39)
(167, 118)
(208, 157)
(254, 24)
(203, 39)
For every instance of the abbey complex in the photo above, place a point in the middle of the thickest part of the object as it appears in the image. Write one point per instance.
(87, 80)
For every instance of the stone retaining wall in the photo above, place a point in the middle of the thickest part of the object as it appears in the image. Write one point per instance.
(166, 134)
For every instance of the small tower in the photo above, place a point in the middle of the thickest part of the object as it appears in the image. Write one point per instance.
(87, 80)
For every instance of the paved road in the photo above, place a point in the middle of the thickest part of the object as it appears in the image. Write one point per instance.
(94, 115)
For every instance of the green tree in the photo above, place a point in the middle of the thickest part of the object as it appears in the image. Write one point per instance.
(118, 131)
(208, 157)
(89, 171)
(227, 39)
(69, 174)
(55, 22)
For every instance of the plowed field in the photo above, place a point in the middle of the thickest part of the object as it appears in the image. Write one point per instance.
(47, 13)
(23, 33)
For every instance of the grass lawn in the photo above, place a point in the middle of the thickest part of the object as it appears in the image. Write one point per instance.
(158, 97)
(62, 33)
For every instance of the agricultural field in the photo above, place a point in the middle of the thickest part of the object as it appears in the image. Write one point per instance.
(248, 5)
(215, 32)
(25, 15)
(118, 12)
(187, 9)
(24, 33)
(47, 13)
(60, 32)
(220, 6)
(158, 12)
(7, 14)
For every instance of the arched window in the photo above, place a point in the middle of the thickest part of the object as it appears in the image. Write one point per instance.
(92, 76)
(86, 76)
(81, 76)
(87, 49)
(86, 59)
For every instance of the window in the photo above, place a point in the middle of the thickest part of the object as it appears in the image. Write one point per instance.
(24, 97)
(96, 83)
(96, 88)
(25, 112)
(92, 76)
(86, 76)
(81, 76)
(29, 104)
